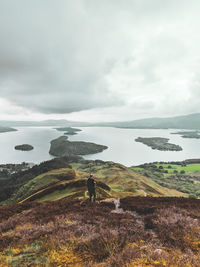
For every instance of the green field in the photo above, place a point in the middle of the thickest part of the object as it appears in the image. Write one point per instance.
(185, 179)
(190, 168)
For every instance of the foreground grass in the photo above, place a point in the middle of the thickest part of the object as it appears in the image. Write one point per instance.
(149, 232)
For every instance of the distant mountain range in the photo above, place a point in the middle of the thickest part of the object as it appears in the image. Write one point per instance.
(5, 123)
(191, 121)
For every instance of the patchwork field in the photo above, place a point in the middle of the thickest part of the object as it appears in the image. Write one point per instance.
(188, 169)
(182, 177)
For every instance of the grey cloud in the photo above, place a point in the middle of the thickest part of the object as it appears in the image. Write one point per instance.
(51, 57)
(67, 56)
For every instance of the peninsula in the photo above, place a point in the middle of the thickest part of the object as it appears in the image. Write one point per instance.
(159, 143)
(6, 129)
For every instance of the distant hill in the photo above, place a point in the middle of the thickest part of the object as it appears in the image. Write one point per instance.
(191, 121)
(65, 123)
(6, 129)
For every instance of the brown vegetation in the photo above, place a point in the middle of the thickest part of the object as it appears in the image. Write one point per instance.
(146, 232)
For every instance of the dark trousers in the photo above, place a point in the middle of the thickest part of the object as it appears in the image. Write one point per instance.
(92, 193)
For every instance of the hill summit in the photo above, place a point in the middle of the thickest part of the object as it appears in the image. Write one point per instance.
(47, 219)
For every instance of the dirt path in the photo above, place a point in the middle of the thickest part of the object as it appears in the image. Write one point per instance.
(145, 194)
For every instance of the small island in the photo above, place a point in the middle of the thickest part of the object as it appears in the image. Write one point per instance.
(191, 134)
(6, 129)
(24, 147)
(68, 130)
(159, 143)
(62, 147)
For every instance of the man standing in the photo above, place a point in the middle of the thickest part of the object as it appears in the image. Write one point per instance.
(91, 187)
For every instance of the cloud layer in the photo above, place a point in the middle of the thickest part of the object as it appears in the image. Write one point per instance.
(58, 57)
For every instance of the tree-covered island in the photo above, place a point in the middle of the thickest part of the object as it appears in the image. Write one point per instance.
(191, 134)
(159, 143)
(68, 130)
(62, 147)
(24, 147)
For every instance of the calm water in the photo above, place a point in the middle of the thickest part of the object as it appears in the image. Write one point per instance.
(121, 145)
(124, 149)
(38, 137)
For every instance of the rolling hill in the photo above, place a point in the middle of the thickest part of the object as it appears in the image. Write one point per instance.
(69, 180)
(50, 222)
(191, 121)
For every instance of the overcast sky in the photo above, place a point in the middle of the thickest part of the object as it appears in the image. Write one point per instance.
(94, 60)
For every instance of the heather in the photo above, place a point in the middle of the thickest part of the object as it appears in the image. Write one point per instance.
(144, 231)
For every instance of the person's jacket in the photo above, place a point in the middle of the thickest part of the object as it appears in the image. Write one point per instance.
(91, 183)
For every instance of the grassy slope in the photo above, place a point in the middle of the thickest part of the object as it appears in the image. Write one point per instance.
(55, 185)
(72, 232)
(190, 168)
(41, 182)
(71, 183)
(124, 181)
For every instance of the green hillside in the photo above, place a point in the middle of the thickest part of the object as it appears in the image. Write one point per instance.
(181, 176)
(113, 181)
(50, 222)
(122, 180)
(54, 185)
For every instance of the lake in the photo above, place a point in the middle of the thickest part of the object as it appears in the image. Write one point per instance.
(121, 144)
(38, 137)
